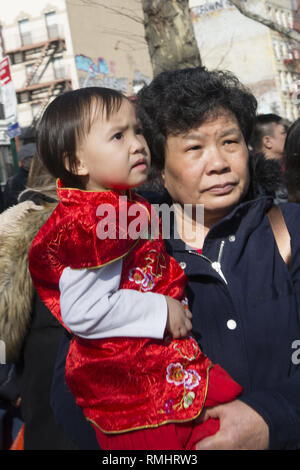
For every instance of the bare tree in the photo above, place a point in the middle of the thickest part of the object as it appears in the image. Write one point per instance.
(117, 9)
(169, 31)
(289, 33)
(170, 35)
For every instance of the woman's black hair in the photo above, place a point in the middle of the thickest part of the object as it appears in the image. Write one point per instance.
(177, 101)
(66, 121)
(292, 162)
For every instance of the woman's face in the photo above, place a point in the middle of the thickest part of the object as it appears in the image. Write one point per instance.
(208, 165)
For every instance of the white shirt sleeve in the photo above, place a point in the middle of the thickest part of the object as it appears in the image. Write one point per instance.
(92, 305)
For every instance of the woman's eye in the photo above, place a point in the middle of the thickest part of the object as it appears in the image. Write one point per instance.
(118, 136)
(195, 147)
(229, 142)
(139, 131)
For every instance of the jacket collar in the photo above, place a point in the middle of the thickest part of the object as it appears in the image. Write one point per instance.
(75, 196)
(246, 216)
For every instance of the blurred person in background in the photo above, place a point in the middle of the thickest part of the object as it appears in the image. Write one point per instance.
(267, 142)
(17, 183)
(269, 136)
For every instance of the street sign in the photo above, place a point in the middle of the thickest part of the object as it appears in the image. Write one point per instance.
(14, 130)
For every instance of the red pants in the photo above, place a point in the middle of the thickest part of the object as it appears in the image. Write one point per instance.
(177, 436)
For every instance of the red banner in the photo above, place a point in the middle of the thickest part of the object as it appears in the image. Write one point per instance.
(8, 95)
(5, 76)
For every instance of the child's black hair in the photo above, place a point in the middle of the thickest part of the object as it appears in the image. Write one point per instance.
(65, 122)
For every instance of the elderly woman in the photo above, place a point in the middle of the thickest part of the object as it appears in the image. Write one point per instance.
(243, 297)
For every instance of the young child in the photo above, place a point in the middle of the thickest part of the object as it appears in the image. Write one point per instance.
(140, 380)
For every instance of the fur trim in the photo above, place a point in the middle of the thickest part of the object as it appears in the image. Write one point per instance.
(11, 218)
(18, 227)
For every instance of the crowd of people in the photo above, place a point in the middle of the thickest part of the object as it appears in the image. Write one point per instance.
(154, 344)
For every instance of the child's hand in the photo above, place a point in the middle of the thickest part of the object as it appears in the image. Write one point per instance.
(179, 318)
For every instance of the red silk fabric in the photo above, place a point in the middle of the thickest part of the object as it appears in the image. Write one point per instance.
(121, 384)
(177, 436)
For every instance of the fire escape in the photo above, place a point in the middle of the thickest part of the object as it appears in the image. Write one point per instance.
(37, 89)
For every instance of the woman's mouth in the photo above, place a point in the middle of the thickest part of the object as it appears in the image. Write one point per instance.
(221, 189)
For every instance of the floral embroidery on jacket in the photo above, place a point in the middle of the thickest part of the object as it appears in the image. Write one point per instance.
(177, 375)
(155, 263)
(188, 378)
(138, 276)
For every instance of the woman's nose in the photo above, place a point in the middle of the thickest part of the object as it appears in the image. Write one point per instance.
(216, 161)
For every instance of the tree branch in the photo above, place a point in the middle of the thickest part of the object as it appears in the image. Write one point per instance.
(225, 53)
(289, 33)
(121, 11)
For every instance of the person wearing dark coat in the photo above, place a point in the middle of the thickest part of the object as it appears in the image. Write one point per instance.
(243, 294)
(267, 141)
(17, 183)
(10, 418)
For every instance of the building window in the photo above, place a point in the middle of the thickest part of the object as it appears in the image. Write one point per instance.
(270, 12)
(284, 19)
(25, 33)
(284, 50)
(16, 58)
(2, 114)
(290, 20)
(282, 80)
(277, 16)
(276, 50)
(51, 24)
(23, 97)
(59, 68)
(35, 108)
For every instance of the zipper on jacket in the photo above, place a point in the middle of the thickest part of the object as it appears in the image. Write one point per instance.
(216, 265)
